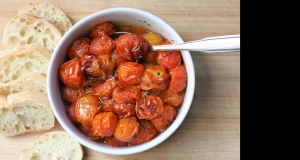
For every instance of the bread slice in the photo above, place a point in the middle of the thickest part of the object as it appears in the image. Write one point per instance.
(54, 145)
(49, 12)
(25, 29)
(22, 60)
(28, 82)
(24, 112)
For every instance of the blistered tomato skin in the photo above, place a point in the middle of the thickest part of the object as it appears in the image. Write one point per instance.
(102, 28)
(86, 108)
(146, 132)
(92, 68)
(127, 129)
(149, 107)
(104, 90)
(130, 73)
(131, 46)
(79, 48)
(155, 78)
(104, 124)
(112, 141)
(169, 59)
(126, 95)
(102, 45)
(174, 99)
(178, 79)
(70, 73)
(71, 114)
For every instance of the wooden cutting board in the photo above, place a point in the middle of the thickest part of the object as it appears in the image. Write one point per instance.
(211, 130)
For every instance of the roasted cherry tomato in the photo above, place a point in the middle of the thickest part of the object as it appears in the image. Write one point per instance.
(131, 46)
(178, 79)
(160, 123)
(105, 89)
(127, 129)
(102, 45)
(113, 142)
(153, 39)
(150, 56)
(107, 105)
(169, 113)
(146, 132)
(169, 59)
(109, 64)
(155, 78)
(149, 107)
(87, 130)
(72, 94)
(79, 48)
(126, 95)
(104, 124)
(102, 28)
(71, 114)
(124, 109)
(130, 73)
(86, 108)
(117, 58)
(92, 68)
(70, 73)
(174, 99)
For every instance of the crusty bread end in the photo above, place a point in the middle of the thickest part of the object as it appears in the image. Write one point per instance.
(47, 11)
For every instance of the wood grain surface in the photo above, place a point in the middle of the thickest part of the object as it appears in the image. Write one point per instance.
(211, 130)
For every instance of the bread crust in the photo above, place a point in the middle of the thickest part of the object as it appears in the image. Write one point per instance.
(49, 12)
(24, 112)
(22, 60)
(25, 29)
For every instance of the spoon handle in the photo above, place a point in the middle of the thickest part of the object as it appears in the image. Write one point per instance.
(229, 43)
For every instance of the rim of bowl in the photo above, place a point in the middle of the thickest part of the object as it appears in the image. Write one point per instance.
(74, 132)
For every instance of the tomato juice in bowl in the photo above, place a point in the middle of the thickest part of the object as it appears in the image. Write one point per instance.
(116, 16)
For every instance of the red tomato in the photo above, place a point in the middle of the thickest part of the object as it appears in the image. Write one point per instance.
(146, 132)
(126, 95)
(102, 28)
(155, 78)
(109, 64)
(79, 48)
(131, 46)
(169, 113)
(130, 73)
(127, 128)
(107, 105)
(102, 45)
(92, 68)
(174, 99)
(71, 94)
(86, 108)
(169, 59)
(124, 109)
(87, 130)
(104, 124)
(160, 123)
(117, 58)
(178, 78)
(149, 107)
(105, 89)
(112, 141)
(70, 73)
(71, 114)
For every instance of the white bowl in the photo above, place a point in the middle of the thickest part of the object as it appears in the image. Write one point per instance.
(116, 16)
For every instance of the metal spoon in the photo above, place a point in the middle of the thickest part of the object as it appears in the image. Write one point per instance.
(228, 43)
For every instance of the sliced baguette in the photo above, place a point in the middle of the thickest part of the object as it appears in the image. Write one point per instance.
(49, 12)
(22, 60)
(54, 145)
(24, 112)
(25, 29)
(28, 82)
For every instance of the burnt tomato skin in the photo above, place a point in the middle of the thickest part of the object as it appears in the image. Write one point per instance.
(131, 46)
